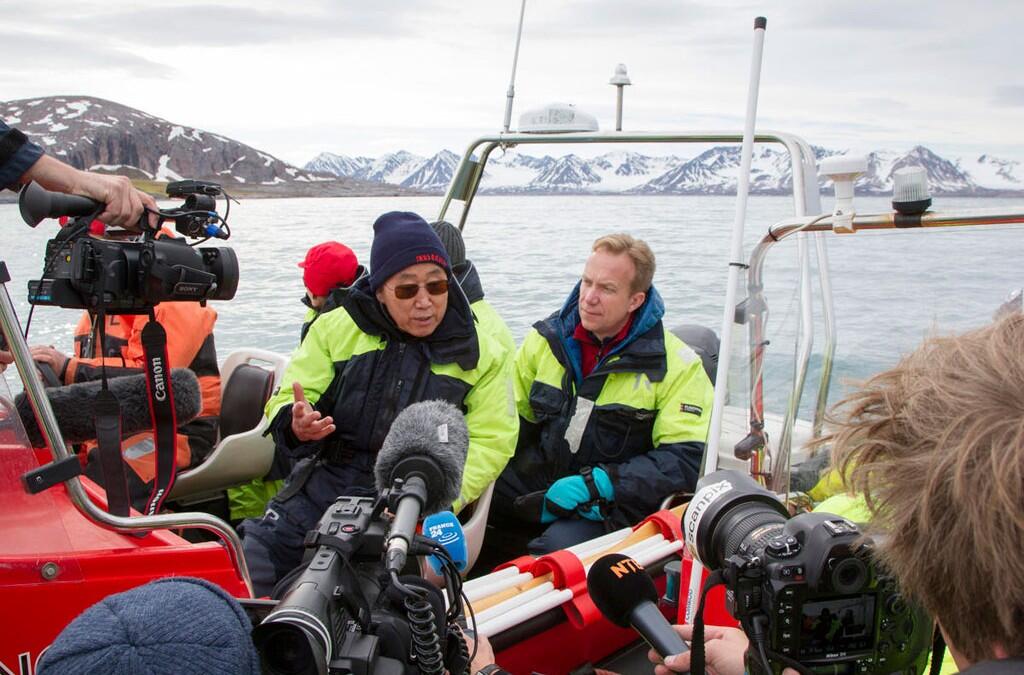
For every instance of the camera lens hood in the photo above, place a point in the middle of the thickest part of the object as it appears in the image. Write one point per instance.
(722, 496)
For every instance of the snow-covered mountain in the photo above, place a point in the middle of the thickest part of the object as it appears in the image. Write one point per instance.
(100, 135)
(713, 171)
(434, 172)
(92, 133)
(338, 165)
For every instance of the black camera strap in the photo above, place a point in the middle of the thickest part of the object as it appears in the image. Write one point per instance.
(697, 643)
(938, 651)
(161, 408)
(108, 438)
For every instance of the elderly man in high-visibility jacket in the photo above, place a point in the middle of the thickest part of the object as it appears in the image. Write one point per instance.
(404, 334)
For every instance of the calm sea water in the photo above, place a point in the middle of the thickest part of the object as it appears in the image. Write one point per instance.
(891, 288)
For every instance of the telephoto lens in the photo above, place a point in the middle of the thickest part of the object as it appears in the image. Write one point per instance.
(730, 510)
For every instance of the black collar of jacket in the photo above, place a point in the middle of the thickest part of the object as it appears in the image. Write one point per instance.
(467, 276)
(645, 353)
(454, 341)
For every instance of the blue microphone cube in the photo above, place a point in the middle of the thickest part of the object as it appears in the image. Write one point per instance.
(445, 529)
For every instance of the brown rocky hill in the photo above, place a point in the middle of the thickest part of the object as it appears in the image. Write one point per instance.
(99, 135)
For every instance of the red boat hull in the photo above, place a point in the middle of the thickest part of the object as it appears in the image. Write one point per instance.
(54, 562)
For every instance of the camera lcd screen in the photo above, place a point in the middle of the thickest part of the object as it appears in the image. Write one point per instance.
(835, 626)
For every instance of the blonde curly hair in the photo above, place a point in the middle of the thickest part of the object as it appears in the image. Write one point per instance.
(936, 445)
(637, 250)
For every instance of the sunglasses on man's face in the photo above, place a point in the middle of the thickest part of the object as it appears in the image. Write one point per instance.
(408, 291)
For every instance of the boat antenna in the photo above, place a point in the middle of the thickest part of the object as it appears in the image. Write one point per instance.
(511, 94)
(620, 80)
(736, 264)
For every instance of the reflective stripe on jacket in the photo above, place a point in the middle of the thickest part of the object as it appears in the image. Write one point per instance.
(642, 414)
(190, 344)
(357, 367)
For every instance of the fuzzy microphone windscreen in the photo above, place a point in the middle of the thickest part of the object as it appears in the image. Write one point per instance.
(73, 406)
(431, 439)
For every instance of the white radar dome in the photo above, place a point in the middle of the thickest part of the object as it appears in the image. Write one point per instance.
(556, 118)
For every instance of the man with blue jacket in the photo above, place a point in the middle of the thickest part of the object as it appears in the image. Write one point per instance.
(613, 408)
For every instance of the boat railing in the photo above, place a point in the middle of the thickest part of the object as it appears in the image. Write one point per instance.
(806, 201)
(821, 227)
(76, 491)
(465, 184)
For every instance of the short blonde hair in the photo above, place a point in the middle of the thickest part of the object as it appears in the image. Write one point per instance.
(936, 445)
(637, 250)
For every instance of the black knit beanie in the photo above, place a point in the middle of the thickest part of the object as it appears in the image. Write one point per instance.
(402, 239)
(451, 237)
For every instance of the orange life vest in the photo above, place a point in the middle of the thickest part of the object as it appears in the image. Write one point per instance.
(190, 344)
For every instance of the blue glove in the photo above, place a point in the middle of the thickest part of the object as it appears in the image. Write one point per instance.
(562, 498)
(565, 496)
(605, 488)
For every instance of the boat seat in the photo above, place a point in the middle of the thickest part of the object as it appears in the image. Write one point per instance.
(246, 393)
(474, 525)
(243, 452)
(705, 342)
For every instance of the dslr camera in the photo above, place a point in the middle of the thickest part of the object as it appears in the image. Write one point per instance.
(806, 590)
(126, 276)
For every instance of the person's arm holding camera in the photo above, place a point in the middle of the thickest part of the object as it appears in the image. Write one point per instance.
(22, 161)
(123, 201)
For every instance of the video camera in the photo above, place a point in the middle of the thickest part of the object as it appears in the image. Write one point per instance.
(130, 277)
(346, 609)
(343, 612)
(806, 590)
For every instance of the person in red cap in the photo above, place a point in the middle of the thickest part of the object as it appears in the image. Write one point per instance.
(328, 271)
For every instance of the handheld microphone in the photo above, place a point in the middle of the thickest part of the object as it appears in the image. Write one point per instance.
(74, 406)
(446, 530)
(622, 591)
(426, 448)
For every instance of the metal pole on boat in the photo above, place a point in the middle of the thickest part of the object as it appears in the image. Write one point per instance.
(736, 264)
(620, 80)
(511, 94)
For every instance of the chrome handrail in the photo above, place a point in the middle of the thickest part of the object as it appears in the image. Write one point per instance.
(797, 148)
(806, 199)
(52, 435)
(828, 356)
(821, 226)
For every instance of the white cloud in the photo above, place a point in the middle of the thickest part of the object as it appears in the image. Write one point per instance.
(306, 76)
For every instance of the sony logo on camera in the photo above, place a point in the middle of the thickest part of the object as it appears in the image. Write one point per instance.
(184, 290)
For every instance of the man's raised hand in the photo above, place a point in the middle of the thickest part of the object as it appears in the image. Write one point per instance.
(308, 424)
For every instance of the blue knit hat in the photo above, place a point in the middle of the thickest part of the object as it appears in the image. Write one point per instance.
(172, 626)
(402, 239)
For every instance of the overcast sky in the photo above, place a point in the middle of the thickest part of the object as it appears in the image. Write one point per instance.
(297, 77)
